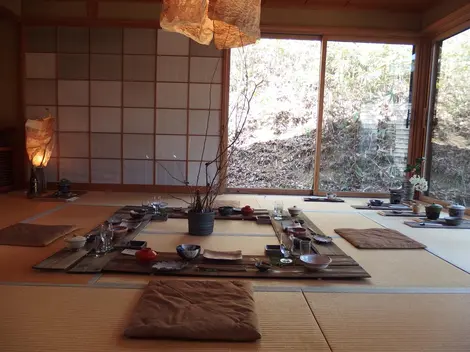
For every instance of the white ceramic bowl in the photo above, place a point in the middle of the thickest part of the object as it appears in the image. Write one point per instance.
(294, 211)
(315, 261)
(75, 242)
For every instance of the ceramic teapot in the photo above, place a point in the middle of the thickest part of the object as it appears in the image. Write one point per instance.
(433, 211)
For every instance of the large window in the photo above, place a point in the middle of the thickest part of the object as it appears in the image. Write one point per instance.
(449, 147)
(365, 122)
(277, 147)
(366, 112)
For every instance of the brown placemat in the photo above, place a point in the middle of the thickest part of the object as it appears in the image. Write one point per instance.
(378, 239)
(323, 199)
(52, 197)
(32, 235)
(436, 224)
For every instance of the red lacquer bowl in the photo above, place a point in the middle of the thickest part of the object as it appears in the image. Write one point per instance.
(145, 255)
(247, 210)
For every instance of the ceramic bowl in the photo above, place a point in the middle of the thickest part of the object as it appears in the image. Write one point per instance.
(75, 242)
(263, 266)
(188, 251)
(226, 211)
(453, 220)
(296, 231)
(315, 261)
(376, 202)
(294, 211)
(119, 231)
(137, 214)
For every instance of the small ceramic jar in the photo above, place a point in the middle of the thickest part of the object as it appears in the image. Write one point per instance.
(145, 255)
(457, 211)
(433, 211)
(396, 195)
(247, 210)
(415, 208)
(75, 242)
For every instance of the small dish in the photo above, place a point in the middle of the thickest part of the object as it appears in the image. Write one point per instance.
(115, 220)
(315, 261)
(226, 211)
(263, 266)
(171, 265)
(322, 239)
(219, 255)
(453, 220)
(188, 251)
(376, 202)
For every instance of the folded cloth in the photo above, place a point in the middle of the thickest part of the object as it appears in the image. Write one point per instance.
(378, 239)
(195, 310)
(32, 235)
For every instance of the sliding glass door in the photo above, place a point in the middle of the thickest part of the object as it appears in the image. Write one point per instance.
(277, 146)
(365, 121)
(448, 150)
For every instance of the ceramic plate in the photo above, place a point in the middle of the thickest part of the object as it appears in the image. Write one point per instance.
(218, 255)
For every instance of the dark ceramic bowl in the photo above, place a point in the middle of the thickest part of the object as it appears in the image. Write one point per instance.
(226, 211)
(188, 251)
(263, 266)
(137, 214)
(452, 220)
(376, 202)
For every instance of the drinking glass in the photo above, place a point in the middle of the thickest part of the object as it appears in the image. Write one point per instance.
(278, 209)
(304, 247)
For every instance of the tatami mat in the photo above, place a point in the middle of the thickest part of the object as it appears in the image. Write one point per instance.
(406, 267)
(220, 227)
(82, 216)
(327, 222)
(248, 245)
(16, 209)
(82, 319)
(400, 322)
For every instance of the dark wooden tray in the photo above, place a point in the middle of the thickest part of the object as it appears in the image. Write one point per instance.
(323, 199)
(342, 267)
(437, 224)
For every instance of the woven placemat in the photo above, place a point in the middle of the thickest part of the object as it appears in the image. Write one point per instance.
(378, 239)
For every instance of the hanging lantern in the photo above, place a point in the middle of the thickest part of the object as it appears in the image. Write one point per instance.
(231, 23)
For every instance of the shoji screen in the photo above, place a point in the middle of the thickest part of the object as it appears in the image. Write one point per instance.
(130, 103)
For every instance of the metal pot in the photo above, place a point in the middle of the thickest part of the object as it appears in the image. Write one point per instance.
(433, 211)
(457, 211)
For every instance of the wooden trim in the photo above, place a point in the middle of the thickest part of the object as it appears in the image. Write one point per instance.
(348, 33)
(449, 25)
(272, 191)
(20, 157)
(6, 13)
(92, 8)
(321, 96)
(186, 158)
(130, 188)
(90, 106)
(122, 104)
(420, 96)
(224, 116)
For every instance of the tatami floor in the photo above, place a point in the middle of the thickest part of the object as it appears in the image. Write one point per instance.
(416, 300)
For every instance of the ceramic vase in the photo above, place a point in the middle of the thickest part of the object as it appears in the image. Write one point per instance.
(200, 224)
(408, 193)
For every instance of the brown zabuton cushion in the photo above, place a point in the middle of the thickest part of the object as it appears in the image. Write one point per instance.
(32, 235)
(378, 239)
(195, 310)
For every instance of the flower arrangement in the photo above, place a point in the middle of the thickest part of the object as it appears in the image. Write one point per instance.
(419, 183)
(415, 169)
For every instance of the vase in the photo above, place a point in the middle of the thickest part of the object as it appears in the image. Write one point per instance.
(408, 193)
(201, 224)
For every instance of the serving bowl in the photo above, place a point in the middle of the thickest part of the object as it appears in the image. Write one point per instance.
(119, 231)
(137, 214)
(188, 251)
(315, 261)
(453, 220)
(75, 242)
(296, 231)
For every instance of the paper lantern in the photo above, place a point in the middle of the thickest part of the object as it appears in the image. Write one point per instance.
(39, 140)
(231, 23)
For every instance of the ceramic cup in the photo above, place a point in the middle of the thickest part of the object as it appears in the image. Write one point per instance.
(331, 195)
(415, 208)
